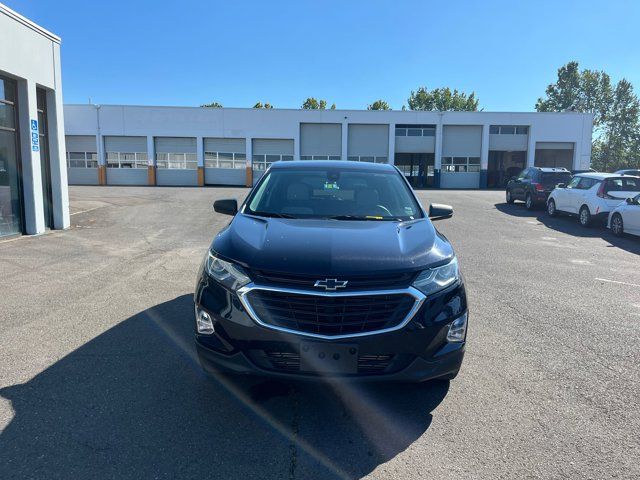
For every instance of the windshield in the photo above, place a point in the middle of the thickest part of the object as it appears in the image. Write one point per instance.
(341, 194)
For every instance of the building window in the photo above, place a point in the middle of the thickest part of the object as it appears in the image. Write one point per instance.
(415, 131)
(127, 160)
(367, 158)
(262, 162)
(319, 157)
(177, 161)
(82, 160)
(460, 164)
(508, 130)
(225, 160)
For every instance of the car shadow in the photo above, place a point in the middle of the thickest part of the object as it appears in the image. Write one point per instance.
(569, 225)
(133, 403)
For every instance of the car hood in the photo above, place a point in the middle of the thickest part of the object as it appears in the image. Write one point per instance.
(332, 247)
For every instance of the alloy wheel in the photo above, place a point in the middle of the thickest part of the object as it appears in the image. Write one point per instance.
(616, 225)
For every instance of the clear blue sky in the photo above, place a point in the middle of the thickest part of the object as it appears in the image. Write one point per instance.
(348, 52)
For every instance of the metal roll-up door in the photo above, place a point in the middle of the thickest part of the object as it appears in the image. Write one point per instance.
(272, 146)
(230, 145)
(81, 143)
(461, 141)
(368, 141)
(175, 145)
(125, 144)
(320, 139)
(222, 151)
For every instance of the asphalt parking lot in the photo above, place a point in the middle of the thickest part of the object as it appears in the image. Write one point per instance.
(98, 377)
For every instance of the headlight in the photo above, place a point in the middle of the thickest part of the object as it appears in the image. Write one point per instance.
(435, 279)
(228, 274)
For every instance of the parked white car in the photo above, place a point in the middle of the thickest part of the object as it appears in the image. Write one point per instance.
(625, 218)
(592, 196)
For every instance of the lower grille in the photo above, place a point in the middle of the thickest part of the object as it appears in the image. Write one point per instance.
(373, 363)
(290, 362)
(330, 315)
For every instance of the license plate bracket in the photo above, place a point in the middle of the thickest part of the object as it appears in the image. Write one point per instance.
(321, 357)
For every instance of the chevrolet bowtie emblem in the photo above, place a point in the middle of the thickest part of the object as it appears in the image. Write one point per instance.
(331, 284)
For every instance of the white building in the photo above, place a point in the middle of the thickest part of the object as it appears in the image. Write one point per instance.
(33, 174)
(137, 145)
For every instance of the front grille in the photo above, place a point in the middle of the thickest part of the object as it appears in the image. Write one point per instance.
(330, 315)
(290, 362)
(354, 282)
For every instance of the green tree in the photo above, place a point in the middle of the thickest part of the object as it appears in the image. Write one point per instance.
(618, 146)
(313, 104)
(586, 91)
(379, 105)
(212, 105)
(616, 113)
(260, 105)
(442, 100)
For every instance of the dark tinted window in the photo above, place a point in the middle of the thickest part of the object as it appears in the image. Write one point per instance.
(586, 183)
(551, 179)
(624, 184)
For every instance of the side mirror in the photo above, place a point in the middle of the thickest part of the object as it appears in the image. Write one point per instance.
(561, 185)
(631, 201)
(228, 206)
(438, 211)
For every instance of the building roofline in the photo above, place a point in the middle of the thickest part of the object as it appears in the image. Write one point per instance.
(28, 23)
(317, 110)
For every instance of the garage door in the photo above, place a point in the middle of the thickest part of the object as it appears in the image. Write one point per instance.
(176, 160)
(554, 154)
(368, 143)
(461, 148)
(225, 161)
(127, 160)
(82, 160)
(320, 141)
(269, 150)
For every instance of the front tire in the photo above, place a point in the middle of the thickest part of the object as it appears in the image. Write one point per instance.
(551, 208)
(509, 197)
(617, 225)
(584, 217)
(528, 202)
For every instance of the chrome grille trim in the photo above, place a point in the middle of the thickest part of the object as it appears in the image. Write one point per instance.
(416, 294)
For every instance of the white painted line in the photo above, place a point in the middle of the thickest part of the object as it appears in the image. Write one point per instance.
(85, 211)
(615, 281)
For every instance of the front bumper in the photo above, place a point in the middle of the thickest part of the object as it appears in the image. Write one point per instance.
(416, 352)
(448, 362)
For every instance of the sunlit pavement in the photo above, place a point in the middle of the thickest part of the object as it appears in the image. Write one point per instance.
(98, 377)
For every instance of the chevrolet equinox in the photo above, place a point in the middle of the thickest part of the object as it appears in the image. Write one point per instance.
(331, 269)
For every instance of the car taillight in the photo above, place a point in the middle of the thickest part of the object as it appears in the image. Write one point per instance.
(539, 187)
(601, 193)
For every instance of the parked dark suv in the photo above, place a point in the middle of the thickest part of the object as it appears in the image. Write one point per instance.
(331, 269)
(534, 184)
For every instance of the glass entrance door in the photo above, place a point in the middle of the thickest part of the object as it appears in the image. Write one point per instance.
(10, 184)
(45, 160)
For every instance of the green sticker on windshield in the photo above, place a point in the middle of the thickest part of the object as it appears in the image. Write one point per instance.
(331, 186)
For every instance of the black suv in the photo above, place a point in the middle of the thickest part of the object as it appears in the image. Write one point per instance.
(534, 184)
(331, 269)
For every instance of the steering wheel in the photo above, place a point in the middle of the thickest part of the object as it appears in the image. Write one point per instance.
(384, 210)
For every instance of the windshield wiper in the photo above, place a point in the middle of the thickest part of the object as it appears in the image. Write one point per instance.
(273, 214)
(362, 217)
